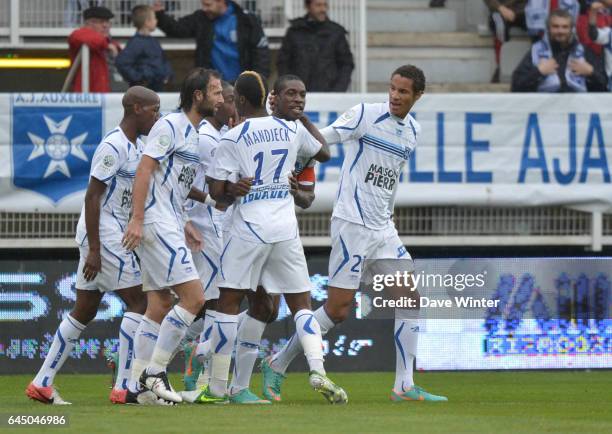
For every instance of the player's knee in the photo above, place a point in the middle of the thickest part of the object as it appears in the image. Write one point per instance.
(137, 305)
(84, 314)
(264, 312)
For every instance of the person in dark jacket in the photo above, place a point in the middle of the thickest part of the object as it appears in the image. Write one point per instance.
(316, 50)
(558, 62)
(143, 62)
(228, 39)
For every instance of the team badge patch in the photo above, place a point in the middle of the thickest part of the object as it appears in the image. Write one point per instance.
(54, 138)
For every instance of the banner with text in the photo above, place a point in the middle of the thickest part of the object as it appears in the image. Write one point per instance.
(474, 149)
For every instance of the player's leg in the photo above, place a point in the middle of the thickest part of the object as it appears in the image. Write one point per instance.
(136, 304)
(171, 332)
(203, 351)
(263, 308)
(68, 332)
(396, 259)
(308, 333)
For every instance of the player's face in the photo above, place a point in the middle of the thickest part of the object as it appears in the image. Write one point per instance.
(228, 108)
(560, 29)
(213, 8)
(291, 100)
(213, 99)
(149, 114)
(401, 96)
(317, 9)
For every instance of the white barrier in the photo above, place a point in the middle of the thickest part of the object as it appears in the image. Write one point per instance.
(480, 150)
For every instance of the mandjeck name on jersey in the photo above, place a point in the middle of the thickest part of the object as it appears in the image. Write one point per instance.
(382, 177)
(267, 192)
(266, 136)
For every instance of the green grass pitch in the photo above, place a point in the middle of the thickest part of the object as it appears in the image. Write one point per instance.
(513, 402)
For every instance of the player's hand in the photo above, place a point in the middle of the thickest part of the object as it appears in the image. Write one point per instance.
(293, 184)
(158, 6)
(240, 188)
(132, 235)
(581, 67)
(507, 13)
(221, 206)
(93, 264)
(548, 66)
(193, 238)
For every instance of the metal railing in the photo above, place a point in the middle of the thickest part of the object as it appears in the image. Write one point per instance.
(24, 19)
(417, 226)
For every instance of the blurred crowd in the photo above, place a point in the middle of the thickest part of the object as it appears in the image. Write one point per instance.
(571, 47)
(228, 39)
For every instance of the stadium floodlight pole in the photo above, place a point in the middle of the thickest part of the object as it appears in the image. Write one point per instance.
(85, 69)
(363, 48)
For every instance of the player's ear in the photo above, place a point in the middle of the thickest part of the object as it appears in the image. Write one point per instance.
(418, 96)
(137, 108)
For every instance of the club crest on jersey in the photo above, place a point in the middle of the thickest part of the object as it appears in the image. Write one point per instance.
(53, 142)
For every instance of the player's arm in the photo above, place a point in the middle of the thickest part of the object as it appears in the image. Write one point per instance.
(93, 197)
(349, 126)
(323, 155)
(133, 232)
(205, 198)
(302, 187)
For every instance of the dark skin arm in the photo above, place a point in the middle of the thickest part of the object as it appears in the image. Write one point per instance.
(200, 196)
(323, 155)
(227, 192)
(93, 196)
(303, 196)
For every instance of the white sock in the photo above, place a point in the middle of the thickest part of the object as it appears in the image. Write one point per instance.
(222, 342)
(406, 337)
(144, 342)
(203, 352)
(67, 333)
(248, 339)
(194, 330)
(172, 330)
(127, 331)
(281, 360)
(309, 333)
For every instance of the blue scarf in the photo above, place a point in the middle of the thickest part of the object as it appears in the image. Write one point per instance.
(552, 83)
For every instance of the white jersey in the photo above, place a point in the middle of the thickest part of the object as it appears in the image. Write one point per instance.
(266, 149)
(205, 217)
(114, 163)
(173, 141)
(377, 146)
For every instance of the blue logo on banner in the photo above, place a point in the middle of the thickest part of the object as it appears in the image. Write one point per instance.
(53, 147)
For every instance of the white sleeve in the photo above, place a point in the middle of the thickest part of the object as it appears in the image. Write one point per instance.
(225, 163)
(351, 124)
(309, 145)
(330, 135)
(161, 141)
(107, 160)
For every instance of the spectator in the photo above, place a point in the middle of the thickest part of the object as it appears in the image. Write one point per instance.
(95, 33)
(316, 50)
(558, 62)
(143, 62)
(536, 13)
(504, 15)
(602, 36)
(228, 39)
(603, 20)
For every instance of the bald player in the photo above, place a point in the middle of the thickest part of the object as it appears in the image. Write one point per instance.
(105, 265)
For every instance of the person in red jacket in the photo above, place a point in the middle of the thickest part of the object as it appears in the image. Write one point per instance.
(95, 33)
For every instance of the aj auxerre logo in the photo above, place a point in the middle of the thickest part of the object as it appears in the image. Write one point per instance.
(382, 177)
(187, 176)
